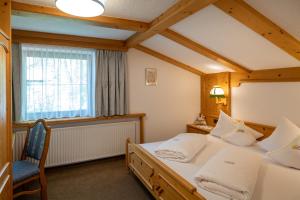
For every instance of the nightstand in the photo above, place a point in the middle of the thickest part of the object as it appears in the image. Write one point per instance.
(192, 128)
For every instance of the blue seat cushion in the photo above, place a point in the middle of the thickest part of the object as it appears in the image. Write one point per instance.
(23, 169)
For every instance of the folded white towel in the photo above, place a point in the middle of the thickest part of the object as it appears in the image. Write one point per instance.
(231, 173)
(181, 148)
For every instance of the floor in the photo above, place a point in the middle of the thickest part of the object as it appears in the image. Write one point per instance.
(106, 179)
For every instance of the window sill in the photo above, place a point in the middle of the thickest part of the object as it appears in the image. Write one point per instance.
(52, 122)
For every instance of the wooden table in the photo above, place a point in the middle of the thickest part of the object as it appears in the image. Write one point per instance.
(192, 128)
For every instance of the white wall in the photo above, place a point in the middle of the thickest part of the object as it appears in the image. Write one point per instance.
(266, 103)
(170, 105)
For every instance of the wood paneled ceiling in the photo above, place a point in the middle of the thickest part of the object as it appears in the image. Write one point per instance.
(201, 36)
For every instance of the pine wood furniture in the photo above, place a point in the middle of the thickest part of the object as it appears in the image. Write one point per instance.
(5, 136)
(192, 128)
(5, 102)
(266, 130)
(158, 178)
(161, 180)
(35, 147)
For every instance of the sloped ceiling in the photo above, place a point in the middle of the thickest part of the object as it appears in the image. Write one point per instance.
(178, 52)
(141, 10)
(220, 32)
(209, 27)
(285, 13)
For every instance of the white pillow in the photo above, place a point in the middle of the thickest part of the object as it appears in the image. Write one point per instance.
(225, 125)
(289, 155)
(254, 132)
(240, 136)
(284, 134)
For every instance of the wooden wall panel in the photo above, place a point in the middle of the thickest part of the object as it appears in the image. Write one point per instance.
(5, 10)
(5, 102)
(211, 110)
(227, 80)
(208, 105)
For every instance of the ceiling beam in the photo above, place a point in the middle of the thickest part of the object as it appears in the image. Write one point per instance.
(291, 74)
(174, 14)
(20, 36)
(203, 50)
(247, 15)
(169, 60)
(104, 21)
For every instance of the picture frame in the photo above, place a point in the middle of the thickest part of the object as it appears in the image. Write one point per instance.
(151, 76)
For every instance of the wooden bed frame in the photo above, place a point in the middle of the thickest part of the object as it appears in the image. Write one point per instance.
(163, 182)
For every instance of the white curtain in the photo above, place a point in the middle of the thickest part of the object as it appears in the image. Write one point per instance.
(57, 82)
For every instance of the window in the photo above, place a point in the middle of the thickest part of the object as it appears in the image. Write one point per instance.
(57, 82)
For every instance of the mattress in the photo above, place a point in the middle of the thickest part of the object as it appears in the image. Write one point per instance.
(275, 182)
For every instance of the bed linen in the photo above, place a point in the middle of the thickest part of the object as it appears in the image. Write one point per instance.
(231, 173)
(274, 182)
(181, 148)
(289, 155)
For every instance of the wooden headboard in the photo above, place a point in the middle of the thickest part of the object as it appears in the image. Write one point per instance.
(266, 130)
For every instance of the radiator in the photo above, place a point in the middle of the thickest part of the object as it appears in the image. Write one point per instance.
(83, 143)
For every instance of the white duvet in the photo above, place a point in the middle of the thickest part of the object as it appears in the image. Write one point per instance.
(274, 182)
(231, 173)
(181, 148)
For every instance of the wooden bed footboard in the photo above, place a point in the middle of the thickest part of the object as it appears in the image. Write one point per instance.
(158, 178)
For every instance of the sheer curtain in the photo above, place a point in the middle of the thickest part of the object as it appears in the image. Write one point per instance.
(56, 82)
(111, 83)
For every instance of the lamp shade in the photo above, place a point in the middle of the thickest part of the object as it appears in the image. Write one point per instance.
(217, 91)
(81, 8)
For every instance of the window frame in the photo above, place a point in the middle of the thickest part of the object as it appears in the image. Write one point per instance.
(58, 53)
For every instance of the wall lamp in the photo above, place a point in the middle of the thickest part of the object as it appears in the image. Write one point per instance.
(218, 93)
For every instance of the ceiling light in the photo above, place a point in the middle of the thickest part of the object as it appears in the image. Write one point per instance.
(215, 67)
(81, 8)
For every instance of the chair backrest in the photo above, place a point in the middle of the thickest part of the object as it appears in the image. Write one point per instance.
(37, 141)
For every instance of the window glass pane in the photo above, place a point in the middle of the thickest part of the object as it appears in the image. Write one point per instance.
(58, 82)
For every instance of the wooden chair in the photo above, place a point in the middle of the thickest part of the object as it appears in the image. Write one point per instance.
(35, 149)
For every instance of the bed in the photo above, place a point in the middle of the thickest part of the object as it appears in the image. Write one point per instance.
(170, 180)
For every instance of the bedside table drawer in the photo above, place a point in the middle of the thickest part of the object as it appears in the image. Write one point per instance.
(194, 129)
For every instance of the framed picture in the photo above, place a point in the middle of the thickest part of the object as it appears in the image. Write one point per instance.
(151, 76)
